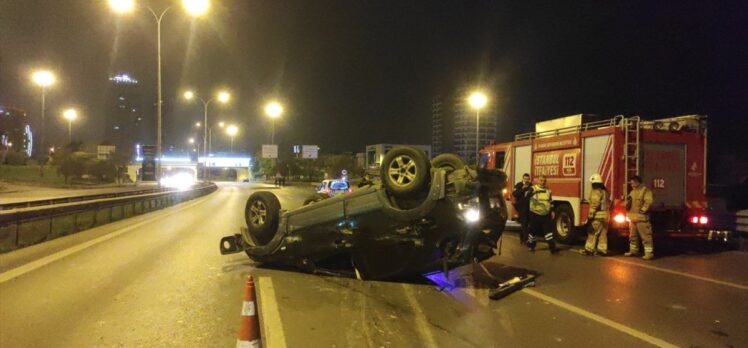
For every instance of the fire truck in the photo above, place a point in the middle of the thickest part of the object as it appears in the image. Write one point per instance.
(669, 154)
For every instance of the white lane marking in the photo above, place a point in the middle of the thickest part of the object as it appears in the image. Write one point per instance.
(607, 322)
(420, 318)
(26, 268)
(269, 314)
(661, 269)
(666, 270)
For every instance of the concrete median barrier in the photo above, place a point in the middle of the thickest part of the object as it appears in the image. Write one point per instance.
(27, 226)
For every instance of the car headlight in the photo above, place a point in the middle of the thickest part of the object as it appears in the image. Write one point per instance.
(472, 215)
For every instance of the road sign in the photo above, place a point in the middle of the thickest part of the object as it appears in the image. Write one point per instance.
(269, 151)
(148, 170)
(309, 151)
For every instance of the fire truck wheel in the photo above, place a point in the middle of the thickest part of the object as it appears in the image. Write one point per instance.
(262, 215)
(405, 171)
(564, 224)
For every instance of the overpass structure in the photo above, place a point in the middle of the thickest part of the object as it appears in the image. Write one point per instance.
(220, 167)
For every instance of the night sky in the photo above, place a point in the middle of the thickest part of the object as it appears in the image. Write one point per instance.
(353, 73)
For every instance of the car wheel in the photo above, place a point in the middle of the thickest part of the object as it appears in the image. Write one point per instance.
(564, 224)
(448, 161)
(262, 215)
(405, 171)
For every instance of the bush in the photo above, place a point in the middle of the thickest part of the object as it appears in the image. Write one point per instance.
(16, 158)
(104, 170)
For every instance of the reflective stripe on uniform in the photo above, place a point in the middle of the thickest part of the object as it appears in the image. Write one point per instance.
(540, 201)
(549, 236)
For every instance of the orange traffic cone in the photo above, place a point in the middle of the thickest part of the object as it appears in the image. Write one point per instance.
(249, 329)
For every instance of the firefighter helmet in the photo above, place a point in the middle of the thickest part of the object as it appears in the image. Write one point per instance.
(596, 179)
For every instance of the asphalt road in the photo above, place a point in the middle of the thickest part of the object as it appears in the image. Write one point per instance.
(159, 280)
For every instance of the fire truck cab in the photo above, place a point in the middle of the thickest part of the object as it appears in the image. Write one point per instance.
(669, 154)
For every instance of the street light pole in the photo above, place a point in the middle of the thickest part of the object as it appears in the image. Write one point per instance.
(232, 130)
(43, 79)
(205, 129)
(44, 92)
(223, 97)
(477, 137)
(477, 100)
(273, 110)
(159, 102)
(194, 8)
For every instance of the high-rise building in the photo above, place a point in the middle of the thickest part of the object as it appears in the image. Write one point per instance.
(454, 125)
(15, 131)
(124, 122)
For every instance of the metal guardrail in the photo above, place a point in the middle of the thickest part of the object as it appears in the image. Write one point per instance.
(81, 198)
(23, 227)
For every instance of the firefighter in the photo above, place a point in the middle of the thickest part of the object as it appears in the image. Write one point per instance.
(522, 204)
(597, 218)
(638, 202)
(541, 222)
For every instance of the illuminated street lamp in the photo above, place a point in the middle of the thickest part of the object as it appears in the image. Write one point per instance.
(195, 8)
(231, 131)
(43, 79)
(221, 96)
(193, 142)
(477, 100)
(70, 115)
(273, 110)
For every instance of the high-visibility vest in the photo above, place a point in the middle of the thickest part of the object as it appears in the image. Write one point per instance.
(599, 203)
(540, 201)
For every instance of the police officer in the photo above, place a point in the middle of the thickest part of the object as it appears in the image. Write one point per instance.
(541, 224)
(597, 218)
(638, 202)
(522, 204)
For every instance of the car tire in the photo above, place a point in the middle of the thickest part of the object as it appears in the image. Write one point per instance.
(405, 171)
(262, 214)
(563, 224)
(448, 161)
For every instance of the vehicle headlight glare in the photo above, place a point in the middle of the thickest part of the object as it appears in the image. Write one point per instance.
(472, 215)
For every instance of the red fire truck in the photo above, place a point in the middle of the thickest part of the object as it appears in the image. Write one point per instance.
(669, 154)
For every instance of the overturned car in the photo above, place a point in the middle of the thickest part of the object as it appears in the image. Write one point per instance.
(422, 216)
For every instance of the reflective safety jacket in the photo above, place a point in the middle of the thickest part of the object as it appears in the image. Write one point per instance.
(540, 200)
(638, 202)
(599, 204)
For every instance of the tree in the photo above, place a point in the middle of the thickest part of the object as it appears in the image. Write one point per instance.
(71, 164)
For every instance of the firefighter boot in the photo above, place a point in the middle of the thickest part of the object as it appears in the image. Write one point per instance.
(631, 253)
(531, 246)
(552, 246)
(648, 256)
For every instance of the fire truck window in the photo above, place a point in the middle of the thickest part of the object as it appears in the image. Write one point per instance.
(483, 160)
(500, 160)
